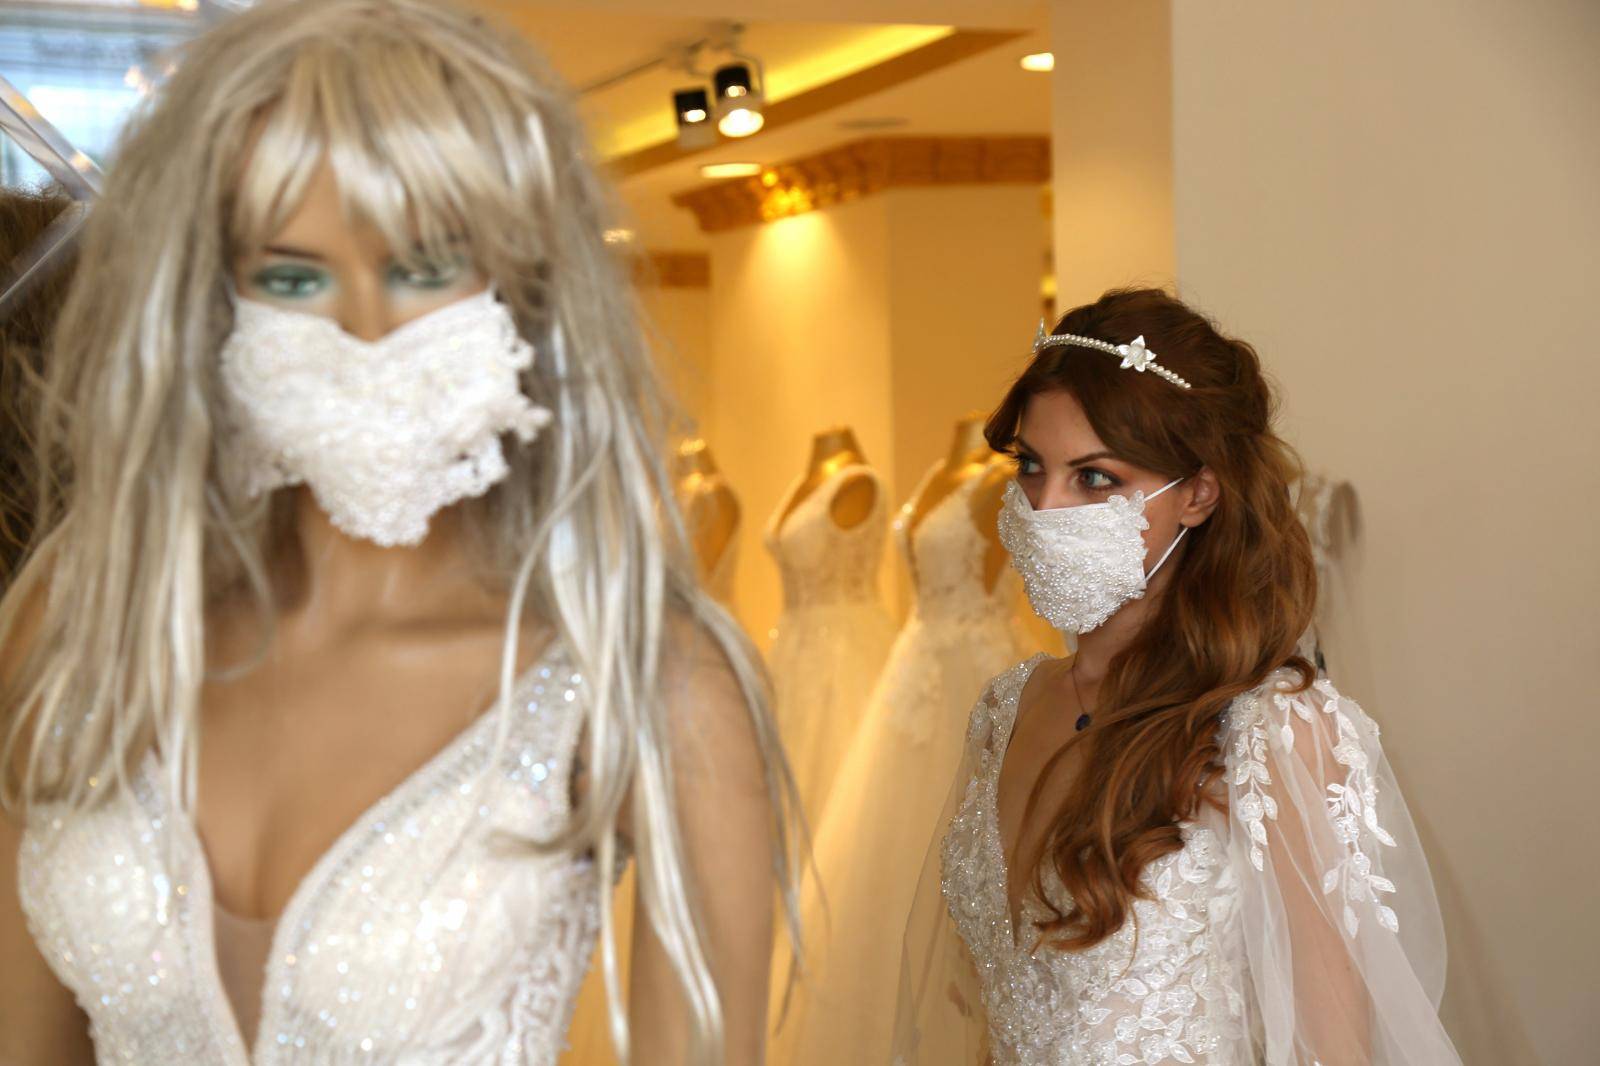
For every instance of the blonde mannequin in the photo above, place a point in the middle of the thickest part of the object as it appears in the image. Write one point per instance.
(291, 706)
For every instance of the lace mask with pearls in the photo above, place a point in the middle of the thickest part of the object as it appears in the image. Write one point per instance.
(384, 433)
(1079, 565)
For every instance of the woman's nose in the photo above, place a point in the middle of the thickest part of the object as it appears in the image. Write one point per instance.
(1055, 492)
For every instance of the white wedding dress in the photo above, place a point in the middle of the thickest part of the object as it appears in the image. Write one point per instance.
(833, 634)
(427, 935)
(887, 797)
(1299, 927)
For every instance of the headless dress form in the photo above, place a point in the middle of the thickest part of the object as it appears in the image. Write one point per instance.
(833, 633)
(885, 802)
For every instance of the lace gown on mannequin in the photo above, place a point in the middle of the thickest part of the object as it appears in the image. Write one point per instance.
(833, 634)
(426, 935)
(1296, 927)
(886, 799)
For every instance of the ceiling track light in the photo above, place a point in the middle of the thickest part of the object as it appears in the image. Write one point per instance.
(741, 94)
(732, 104)
(693, 108)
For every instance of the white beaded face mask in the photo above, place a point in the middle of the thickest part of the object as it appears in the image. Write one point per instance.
(385, 432)
(1079, 565)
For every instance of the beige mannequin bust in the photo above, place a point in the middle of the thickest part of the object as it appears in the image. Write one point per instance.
(831, 451)
(710, 508)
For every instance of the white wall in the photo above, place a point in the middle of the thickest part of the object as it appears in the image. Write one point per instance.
(1399, 203)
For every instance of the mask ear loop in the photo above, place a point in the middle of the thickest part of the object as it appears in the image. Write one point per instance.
(1181, 531)
(1165, 555)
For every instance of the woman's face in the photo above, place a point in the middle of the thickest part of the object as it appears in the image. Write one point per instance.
(322, 263)
(1062, 462)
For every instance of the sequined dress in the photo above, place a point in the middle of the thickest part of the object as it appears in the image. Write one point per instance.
(1298, 926)
(427, 935)
(881, 816)
(833, 634)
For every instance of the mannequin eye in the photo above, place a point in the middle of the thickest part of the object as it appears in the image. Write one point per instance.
(428, 273)
(290, 282)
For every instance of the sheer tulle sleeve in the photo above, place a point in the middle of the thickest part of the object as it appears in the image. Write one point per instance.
(1343, 943)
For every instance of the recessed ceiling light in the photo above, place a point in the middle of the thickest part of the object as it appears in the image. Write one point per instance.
(730, 170)
(1040, 62)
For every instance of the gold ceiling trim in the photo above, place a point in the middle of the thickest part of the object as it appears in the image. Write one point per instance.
(962, 44)
(672, 270)
(861, 168)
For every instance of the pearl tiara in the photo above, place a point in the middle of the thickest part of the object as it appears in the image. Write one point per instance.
(1134, 354)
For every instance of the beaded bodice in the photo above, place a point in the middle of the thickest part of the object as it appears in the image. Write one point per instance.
(822, 564)
(1161, 989)
(431, 932)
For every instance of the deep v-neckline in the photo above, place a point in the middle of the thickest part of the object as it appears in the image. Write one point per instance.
(313, 885)
(990, 796)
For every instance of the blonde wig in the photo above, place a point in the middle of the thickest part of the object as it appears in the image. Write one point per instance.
(440, 127)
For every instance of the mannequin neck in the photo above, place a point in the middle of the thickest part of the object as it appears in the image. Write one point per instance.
(968, 445)
(834, 448)
(694, 458)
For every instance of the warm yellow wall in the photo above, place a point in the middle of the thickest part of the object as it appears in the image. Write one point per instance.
(799, 335)
(894, 314)
(1398, 203)
(1111, 135)
(679, 321)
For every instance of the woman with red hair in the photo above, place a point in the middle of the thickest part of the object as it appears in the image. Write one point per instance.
(1181, 845)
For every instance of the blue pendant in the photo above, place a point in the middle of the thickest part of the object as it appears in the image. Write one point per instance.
(1082, 723)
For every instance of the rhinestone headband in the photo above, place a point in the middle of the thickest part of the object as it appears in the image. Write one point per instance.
(1133, 354)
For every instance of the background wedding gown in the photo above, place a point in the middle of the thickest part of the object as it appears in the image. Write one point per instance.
(417, 938)
(886, 800)
(833, 633)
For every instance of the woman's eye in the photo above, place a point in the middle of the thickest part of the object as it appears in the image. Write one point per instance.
(1026, 464)
(427, 274)
(290, 282)
(1096, 479)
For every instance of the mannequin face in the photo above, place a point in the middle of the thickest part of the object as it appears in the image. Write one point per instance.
(323, 263)
(1062, 462)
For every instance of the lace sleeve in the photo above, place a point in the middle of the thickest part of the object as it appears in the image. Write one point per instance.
(1344, 948)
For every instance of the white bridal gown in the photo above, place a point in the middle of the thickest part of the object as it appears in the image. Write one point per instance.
(1299, 927)
(833, 634)
(427, 935)
(886, 800)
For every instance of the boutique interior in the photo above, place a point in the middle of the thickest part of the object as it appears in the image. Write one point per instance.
(845, 220)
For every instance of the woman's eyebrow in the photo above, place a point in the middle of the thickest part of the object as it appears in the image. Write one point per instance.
(1091, 457)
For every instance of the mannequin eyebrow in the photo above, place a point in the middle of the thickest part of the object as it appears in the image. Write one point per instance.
(292, 252)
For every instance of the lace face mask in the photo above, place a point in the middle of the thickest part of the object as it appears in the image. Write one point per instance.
(385, 432)
(1080, 564)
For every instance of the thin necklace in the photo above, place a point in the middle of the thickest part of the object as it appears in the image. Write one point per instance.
(1083, 719)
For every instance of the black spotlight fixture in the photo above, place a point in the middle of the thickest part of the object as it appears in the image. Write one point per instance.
(693, 107)
(739, 99)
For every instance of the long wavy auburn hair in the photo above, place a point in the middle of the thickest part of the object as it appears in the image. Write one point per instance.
(439, 125)
(1241, 594)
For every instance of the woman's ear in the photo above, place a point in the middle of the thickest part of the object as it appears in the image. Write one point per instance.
(1204, 493)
